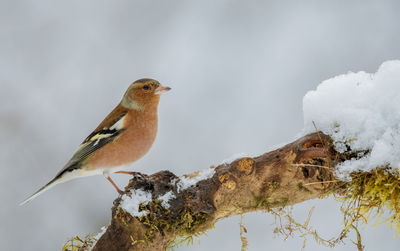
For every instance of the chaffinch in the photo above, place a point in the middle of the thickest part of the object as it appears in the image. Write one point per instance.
(123, 137)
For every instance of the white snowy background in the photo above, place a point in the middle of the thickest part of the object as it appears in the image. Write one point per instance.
(238, 72)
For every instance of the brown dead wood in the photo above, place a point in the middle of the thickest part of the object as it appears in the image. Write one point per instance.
(296, 172)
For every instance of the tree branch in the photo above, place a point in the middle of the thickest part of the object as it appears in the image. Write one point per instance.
(299, 171)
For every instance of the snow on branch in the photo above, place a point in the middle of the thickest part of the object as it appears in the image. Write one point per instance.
(360, 111)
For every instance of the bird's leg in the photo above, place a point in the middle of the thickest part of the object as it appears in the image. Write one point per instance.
(116, 187)
(107, 176)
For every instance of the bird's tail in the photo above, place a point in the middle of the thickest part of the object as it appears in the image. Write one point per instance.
(69, 172)
(46, 187)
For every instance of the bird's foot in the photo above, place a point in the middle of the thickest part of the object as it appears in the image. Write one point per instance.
(132, 173)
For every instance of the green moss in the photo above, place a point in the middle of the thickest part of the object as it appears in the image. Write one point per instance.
(303, 188)
(79, 244)
(134, 242)
(273, 185)
(283, 201)
(184, 225)
(181, 241)
(264, 202)
(261, 202)
(368, 195)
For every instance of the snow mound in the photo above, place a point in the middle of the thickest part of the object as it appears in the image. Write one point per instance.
(139, 197)
(131, 204)
(361, 110)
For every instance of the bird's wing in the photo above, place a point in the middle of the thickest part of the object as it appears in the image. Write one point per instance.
(106, 132)
(96, 140)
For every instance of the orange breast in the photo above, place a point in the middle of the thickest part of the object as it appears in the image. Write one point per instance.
(131, 145)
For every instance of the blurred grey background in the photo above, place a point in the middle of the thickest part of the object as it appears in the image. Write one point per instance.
(238, 72)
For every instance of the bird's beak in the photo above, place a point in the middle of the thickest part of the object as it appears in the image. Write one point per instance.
(161, 89)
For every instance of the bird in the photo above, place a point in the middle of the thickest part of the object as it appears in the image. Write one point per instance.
(123, 137)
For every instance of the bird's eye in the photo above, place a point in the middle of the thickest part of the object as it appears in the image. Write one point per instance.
(146, 87)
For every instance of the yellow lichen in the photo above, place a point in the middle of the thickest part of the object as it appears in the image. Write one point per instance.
(245, 165)
(224, 177)
(230, 184)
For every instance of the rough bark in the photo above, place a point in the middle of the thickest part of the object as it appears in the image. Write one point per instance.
(299, 171)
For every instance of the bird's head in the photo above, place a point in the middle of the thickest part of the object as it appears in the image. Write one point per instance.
(143, 93)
